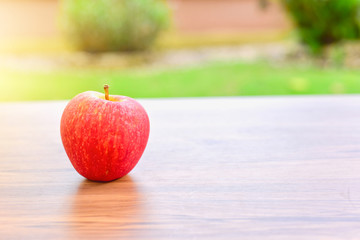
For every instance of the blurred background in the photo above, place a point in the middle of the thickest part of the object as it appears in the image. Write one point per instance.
(55, 49)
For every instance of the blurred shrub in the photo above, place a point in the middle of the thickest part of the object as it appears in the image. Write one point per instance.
(324, 22)
(113, 25)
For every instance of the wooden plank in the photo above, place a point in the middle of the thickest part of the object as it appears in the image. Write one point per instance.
(215, 168)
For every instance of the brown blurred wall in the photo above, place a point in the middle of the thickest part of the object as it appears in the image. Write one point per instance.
(28, 18)
(226, 16)
(38, 18)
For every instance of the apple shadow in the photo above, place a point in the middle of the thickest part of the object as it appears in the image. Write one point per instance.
(106, 210)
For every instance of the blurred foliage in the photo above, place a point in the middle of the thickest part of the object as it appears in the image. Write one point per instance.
(113, 25)
(324, 22)
(263, 4)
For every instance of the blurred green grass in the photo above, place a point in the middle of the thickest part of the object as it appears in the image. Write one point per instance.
(213, 79)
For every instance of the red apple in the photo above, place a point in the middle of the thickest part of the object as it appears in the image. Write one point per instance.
(104, 136)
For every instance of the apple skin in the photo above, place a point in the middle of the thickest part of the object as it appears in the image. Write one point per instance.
(104, 139)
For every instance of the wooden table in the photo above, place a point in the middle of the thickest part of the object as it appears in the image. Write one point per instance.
(216, 168)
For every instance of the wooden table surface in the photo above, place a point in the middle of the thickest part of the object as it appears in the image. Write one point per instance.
(214, 168)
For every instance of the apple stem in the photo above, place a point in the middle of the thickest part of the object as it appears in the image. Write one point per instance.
(106, 88)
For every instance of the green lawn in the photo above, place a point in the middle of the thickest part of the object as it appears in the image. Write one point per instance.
(215, 79)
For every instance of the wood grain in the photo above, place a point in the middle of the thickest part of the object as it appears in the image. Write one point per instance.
(215, 168)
